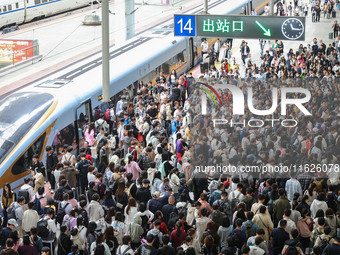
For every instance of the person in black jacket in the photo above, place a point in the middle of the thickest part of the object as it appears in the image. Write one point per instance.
(169, 208)
(143, 194)
(200, 182)
(58, 196)
(245, 50)
(51, 163)
(166, 249)
(64, 242)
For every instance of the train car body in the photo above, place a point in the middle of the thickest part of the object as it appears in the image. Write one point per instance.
(15, 12)
(51, 111)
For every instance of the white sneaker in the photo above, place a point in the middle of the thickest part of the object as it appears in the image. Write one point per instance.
(52, 191)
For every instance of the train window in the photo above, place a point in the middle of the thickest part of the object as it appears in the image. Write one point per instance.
(17, 5)
(65, 136)
(5, 8)
(9, 7)
(37, 1)
(44, 1)
(23, 163)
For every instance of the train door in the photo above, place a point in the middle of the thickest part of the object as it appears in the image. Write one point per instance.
(83, 116)
(191, 53)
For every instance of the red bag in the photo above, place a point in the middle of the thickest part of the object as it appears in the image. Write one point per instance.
(140, 137)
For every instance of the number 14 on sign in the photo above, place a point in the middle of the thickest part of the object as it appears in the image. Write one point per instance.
(185, 25)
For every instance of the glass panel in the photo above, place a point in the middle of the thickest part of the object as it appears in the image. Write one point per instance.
(9, 7)
(23, 163)
(67, 135)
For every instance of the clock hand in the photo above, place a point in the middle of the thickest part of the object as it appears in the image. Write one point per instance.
(291, 26)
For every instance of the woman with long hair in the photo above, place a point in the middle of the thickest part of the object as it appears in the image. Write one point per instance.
(89, 134)
(110, 216)
(7, 198)
(121, 197)
(132, 167)
(108, 201)
(178, 235)
(303, 227)
(119, 226)
(91, 234)
(211, 230)
(130, 211)
(157, 180)
(331, 220)
(174, 180)
(311, 193)
(209, 246)
(111, 240)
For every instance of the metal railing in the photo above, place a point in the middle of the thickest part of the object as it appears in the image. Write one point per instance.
(7, 59)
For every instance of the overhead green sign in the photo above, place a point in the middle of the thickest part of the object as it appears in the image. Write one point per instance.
(243, 27)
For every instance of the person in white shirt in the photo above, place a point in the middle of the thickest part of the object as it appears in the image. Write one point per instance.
(28, 188)
(290, 224)
(51, 224)
(236, 193)
(205, 47)
(63, 203)
(30, 218)
(124, 248)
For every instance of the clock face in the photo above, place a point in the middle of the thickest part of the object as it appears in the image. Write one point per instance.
(292, 29)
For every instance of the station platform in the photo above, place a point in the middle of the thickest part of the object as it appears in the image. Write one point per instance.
(65, 40)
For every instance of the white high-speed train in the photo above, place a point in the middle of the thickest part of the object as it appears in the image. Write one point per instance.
(15, 12)
(50, 110)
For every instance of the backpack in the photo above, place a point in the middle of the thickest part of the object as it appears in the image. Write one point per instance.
(24, 193)
(84, 167)
(37, 204)
(42, 228)
(236, 239)
(191, 185)
(324, 242)
(107, 115)
(173, 217)
(318, 185)
(126, 159)
(100, 189)
(291, 250)
(290, 7)
(162, 169)
(112, 182)
(120, 252)
(249, 229)
(61, 213)
(66, 222)
(270, 203)
(11, 211)
(234, 201)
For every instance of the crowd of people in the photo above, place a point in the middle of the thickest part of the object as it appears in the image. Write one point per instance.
(155, 183)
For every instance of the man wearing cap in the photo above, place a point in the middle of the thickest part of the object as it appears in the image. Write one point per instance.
(155, 204)
(6, 231)
(143, 194)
